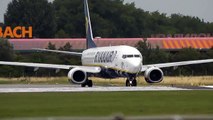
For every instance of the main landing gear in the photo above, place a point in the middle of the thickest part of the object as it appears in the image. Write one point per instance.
(88, 83)
(131, 82)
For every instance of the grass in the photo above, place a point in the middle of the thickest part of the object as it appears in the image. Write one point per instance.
(34, 80)
(182, 80)
(179, 80)
(106, 103)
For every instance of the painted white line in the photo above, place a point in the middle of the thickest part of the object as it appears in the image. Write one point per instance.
(59, 88)
(208, 86)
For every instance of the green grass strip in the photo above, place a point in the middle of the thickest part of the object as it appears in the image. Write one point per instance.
(106, 103)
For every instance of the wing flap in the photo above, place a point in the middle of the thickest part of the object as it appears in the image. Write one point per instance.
(175, 64)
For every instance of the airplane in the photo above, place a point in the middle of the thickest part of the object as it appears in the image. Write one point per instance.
(107, 62)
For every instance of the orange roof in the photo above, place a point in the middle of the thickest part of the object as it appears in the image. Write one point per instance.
(80, 43)
(197, 43)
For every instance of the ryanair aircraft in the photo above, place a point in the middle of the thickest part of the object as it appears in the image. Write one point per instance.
(107, 62)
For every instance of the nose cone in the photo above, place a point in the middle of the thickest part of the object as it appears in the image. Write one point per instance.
(135, 65)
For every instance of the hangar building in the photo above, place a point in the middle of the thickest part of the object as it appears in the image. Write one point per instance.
(202, 43)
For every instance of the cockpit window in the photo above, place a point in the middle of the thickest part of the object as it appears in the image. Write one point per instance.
(124, 56)
(136, 55)
(130, 56)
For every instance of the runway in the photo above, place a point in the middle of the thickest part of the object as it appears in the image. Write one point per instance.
(19, 88)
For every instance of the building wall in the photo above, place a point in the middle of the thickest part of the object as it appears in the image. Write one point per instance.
(80, 43)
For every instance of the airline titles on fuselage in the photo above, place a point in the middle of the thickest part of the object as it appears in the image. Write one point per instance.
(105, 56)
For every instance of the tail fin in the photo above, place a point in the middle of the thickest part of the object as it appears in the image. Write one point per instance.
(89, 35)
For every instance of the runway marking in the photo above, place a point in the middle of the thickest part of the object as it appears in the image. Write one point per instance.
(208, 86)
(65, 88)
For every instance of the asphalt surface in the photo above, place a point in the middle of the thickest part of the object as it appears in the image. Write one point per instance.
(16, 88)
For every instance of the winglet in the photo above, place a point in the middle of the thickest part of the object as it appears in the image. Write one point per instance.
(89, 35)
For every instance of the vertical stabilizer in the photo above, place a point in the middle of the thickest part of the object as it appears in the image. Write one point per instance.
(89, 35)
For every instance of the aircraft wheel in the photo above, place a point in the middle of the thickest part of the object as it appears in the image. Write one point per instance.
(134, 82)
(83, 85)
(127, 82)
(89, 83)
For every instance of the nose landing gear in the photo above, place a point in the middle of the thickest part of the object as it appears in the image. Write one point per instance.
(131, 82)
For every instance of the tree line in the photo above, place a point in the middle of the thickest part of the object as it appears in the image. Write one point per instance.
(150, 56)
(110, 18)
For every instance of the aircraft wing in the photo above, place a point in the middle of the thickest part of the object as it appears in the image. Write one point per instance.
(59, 51)
(88, 69)
(176, 64)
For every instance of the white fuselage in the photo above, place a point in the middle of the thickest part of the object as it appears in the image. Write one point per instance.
(120, 58)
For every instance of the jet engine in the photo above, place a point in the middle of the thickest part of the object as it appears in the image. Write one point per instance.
(153, 75)
(77, 76)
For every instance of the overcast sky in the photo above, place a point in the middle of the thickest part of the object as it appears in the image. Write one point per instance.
(200, 8)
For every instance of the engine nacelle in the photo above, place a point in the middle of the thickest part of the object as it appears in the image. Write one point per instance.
(77, 76)
(153, 75)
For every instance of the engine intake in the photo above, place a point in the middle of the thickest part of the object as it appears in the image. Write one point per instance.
(153, 75)
(77, 76)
